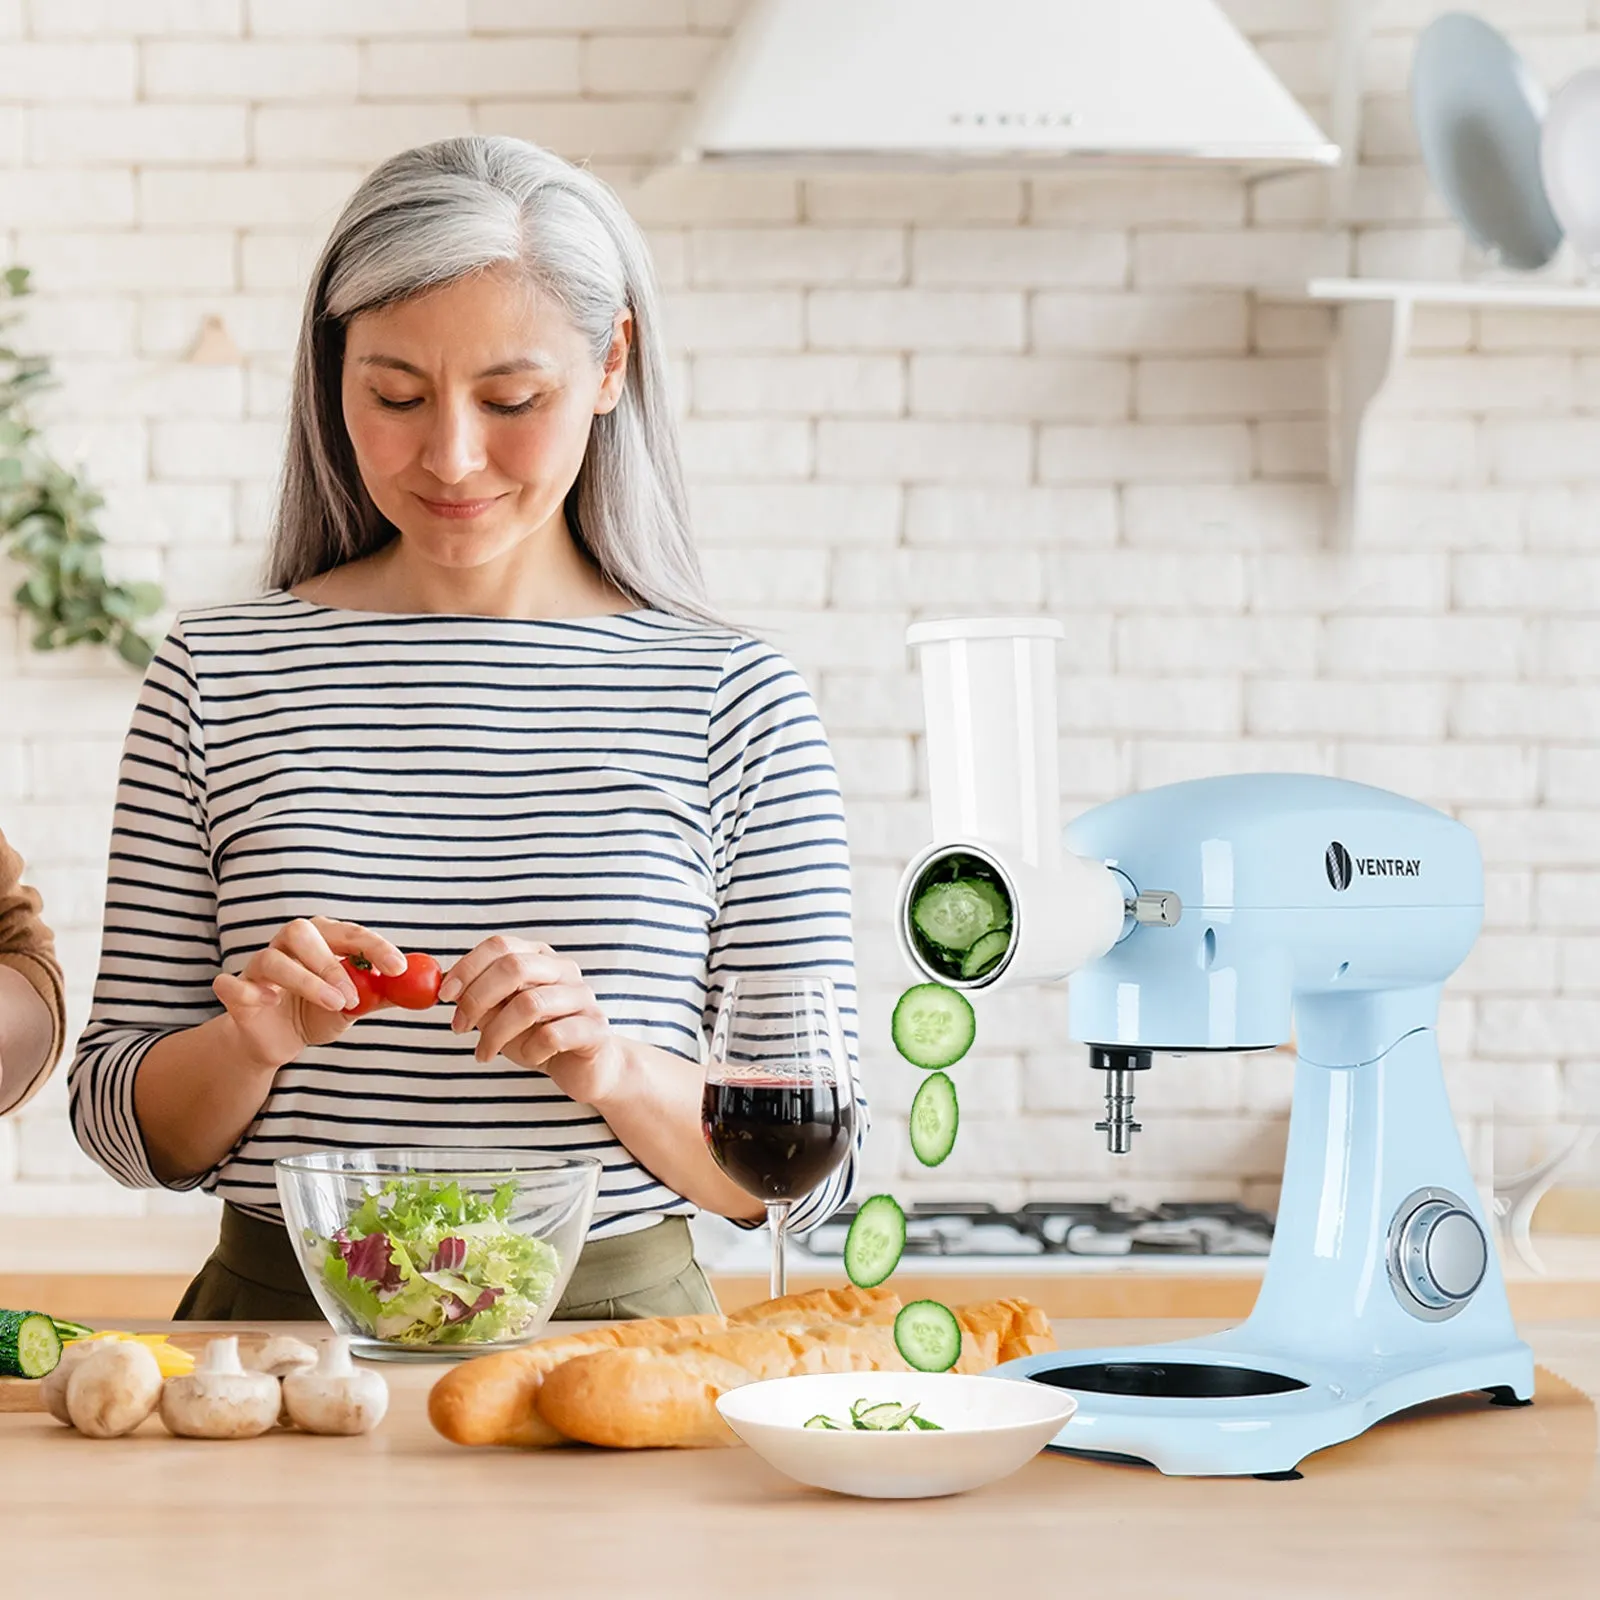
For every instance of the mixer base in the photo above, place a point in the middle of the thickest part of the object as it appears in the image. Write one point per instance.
(1208, 1408)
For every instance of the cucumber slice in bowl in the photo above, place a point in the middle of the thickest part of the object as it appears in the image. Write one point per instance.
(877, 1237)
(933, 1026)
(935, 1115)
(927, 1334)
(884, 1417)
(30, 1347)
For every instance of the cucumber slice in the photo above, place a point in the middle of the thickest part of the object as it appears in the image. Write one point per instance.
(985, 953)
(876, 1238)
(956, 915)
(925, 1425)
(933, 1026)
(821, 1422)
(927, 1334)
(935, 1116)
(884, 1417)
(30, 1347)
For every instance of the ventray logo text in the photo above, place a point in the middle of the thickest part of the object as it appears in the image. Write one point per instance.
(1343, 868)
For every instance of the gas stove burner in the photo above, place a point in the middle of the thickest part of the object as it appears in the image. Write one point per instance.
(1196, 1228)
(1068, 1227)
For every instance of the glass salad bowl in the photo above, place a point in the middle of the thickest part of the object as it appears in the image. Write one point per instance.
(437, 1253)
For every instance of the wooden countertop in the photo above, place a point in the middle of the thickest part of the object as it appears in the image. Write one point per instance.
(1456, 1500)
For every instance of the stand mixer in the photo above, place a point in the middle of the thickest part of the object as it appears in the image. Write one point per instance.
(1218, 914)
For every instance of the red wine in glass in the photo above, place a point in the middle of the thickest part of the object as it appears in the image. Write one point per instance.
(778, 1137)
(779, 1106)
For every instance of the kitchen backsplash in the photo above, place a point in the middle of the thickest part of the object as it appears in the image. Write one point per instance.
(1091, 394)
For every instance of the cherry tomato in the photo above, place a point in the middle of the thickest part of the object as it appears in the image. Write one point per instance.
(417, 987)
(368, 983)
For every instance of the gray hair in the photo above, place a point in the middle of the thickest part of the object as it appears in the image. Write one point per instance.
(440, 212)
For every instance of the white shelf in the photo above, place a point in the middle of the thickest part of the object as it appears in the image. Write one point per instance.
(1374, 332)
(1531, 296)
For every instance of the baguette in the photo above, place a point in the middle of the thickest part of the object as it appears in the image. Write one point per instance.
(665, 1394)
(848, 1304)
(1020, 1327)
(813, 1306)
(1030, 1333)
(490, 1399)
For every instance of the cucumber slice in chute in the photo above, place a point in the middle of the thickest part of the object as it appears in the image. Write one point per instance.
(956, 915)
(877, 1237)
(935, 1115)
(933, 1026)
(985, 953)
(927, 1334)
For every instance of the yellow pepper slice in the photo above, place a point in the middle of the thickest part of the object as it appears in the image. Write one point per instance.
(173, 1361)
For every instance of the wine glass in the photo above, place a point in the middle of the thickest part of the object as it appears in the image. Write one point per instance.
(779, 1107)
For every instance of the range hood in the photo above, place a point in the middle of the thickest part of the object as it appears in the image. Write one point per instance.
(946, 83)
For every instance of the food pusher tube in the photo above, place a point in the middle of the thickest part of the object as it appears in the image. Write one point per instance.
(989, 699)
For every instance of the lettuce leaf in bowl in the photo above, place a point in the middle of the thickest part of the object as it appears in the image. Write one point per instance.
(427, 1262)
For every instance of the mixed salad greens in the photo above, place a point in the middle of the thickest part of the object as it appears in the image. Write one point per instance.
(425, 1262)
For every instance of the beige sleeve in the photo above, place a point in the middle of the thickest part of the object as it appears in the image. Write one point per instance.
(27, 947)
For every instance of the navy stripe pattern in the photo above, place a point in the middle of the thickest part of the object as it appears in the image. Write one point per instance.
(650, 796)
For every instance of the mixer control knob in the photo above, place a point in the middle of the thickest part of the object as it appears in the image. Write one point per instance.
(1437, 1254)
(1159, 906)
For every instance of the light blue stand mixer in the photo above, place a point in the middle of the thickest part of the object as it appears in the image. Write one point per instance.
(1231, 914)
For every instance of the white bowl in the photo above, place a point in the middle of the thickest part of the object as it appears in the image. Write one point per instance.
(990, 1428)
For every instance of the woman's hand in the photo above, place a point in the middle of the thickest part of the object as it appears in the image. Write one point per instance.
(295, 992)
(533, 1007)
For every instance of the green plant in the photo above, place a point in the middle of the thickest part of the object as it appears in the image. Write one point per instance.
(47, 522)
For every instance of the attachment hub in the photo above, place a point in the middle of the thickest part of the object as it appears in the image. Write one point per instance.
(1119, 1064)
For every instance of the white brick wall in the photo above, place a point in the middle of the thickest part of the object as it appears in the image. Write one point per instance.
(905, 394)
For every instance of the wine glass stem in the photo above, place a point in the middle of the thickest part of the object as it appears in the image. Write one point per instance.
(777, 1219)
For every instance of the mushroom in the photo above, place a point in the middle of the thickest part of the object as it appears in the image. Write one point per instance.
(220, 1400)
(338, 1397)
(113, 1389)
(281, 1355)
(53, 1386)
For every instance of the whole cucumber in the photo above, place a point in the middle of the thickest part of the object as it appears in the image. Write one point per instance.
(30, 1347)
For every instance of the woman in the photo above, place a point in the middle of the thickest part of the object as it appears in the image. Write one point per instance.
(485, 713)
(32, 1016)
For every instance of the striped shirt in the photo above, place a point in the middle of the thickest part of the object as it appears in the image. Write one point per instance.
(654, 798)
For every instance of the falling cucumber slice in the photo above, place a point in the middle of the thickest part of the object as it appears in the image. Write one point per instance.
(985, 953)
(933, 1026)
(875, 1241)
(934, 1119)
(927, 1334)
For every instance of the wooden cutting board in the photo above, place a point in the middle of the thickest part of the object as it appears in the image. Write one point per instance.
(22, 1394)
